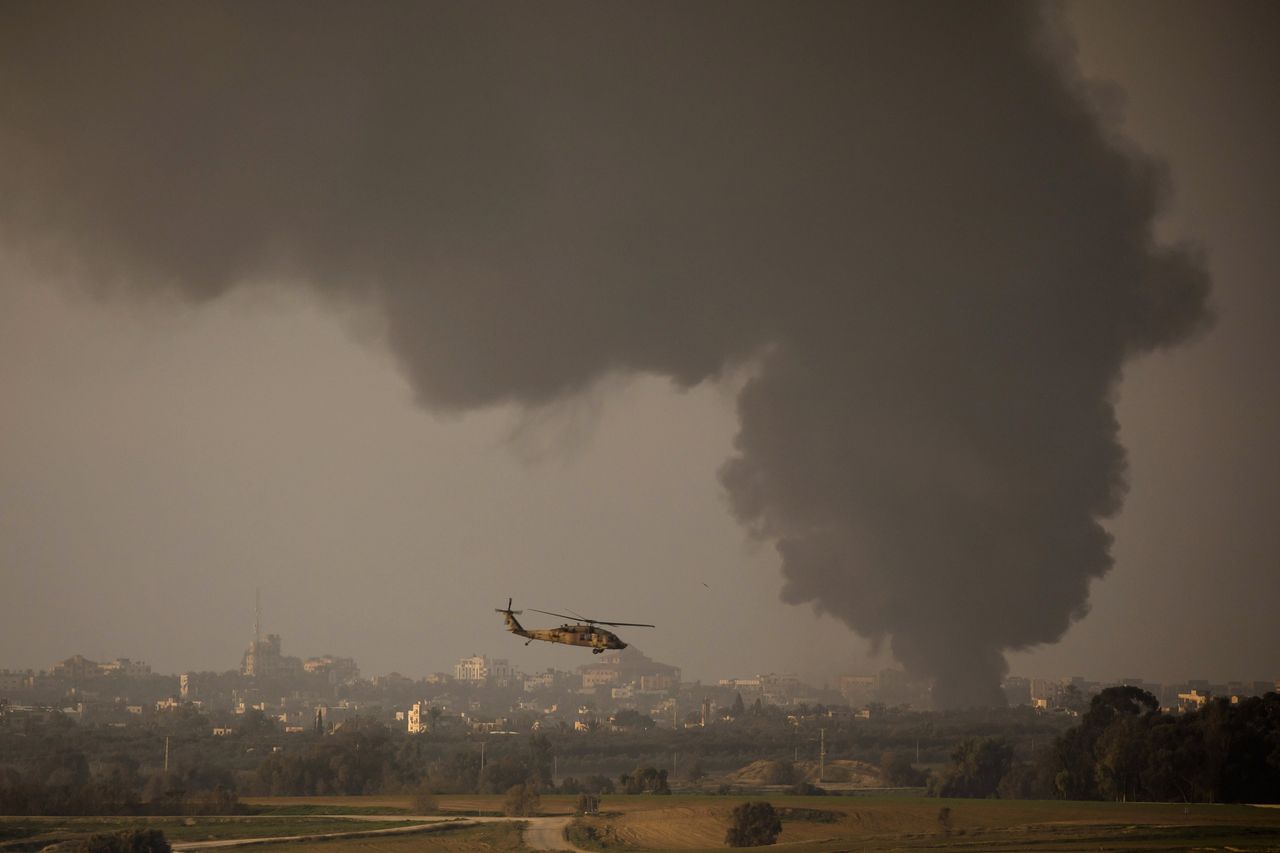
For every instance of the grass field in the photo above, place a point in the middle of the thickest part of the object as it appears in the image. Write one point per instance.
(885, 823)
(489, 838)
(698, 822)
(461, 804)
(178, 829)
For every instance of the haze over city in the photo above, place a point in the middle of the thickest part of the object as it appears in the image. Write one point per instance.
(589, 308)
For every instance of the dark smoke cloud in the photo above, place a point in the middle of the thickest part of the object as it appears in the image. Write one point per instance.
(937, 254)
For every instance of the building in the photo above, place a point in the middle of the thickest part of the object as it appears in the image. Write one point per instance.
(478, 669)
(419, 718)
(618, 667)
(77, 667)
(264, 659)
(10, 681)
(127, 668)
(339, 670)
(1193, 700)
(858, 689)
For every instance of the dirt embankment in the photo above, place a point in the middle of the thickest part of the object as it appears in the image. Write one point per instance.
(857, 774)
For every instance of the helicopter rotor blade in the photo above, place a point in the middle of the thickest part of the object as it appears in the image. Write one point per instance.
(595, 621)
(559, 615)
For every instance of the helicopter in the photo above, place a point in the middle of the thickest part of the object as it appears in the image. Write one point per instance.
(581, 633)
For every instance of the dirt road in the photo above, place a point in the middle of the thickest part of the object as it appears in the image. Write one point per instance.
(541, 833)
(547, 833)
(434, 826)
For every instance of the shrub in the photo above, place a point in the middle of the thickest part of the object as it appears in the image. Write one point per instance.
(125, 841)
(424, 800)
(522, 800)
(598, 784)
(806, 789)
(754, 824)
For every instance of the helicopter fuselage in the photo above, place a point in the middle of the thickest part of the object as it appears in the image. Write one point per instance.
(570, 634)
(597, 639)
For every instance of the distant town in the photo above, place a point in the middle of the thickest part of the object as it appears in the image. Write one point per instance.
(486, 694)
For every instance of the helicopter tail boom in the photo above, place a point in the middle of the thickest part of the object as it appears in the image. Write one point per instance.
(513, 625)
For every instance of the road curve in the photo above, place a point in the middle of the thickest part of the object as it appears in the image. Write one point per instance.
(547, 833)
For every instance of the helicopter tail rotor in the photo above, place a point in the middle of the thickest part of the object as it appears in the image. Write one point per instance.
(507, 610)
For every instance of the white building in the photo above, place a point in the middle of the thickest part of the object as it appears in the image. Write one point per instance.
(479, 669)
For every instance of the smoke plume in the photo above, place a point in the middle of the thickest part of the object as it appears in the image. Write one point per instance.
(906, 215)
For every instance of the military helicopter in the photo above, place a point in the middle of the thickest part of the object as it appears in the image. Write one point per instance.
(581, 633)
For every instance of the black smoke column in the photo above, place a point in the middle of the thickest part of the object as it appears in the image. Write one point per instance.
(904, 215)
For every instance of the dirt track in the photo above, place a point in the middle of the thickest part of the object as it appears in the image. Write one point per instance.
(540, 833)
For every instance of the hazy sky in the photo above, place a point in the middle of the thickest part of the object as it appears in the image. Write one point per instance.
(160, 457)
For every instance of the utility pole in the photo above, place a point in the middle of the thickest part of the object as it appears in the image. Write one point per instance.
(166, 753)
(822, 754)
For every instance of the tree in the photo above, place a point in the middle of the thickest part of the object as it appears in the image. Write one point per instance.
(897, 771)
(755, 824)
(977, 766)
(597, 784)
(522, 801)
(424, 800)
(738, 708)
(629, 718)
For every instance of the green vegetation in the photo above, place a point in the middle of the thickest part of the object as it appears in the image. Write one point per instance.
(186, 829)
(1126, 749)
(503, 837)
(753, 825)
(311, 809)
(124, 841)
(522, 801)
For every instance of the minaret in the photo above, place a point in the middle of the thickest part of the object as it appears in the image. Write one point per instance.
(257, 617)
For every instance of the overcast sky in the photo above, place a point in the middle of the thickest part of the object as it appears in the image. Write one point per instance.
(162, 457)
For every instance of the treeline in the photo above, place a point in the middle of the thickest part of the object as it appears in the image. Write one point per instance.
(368, 760)
(64, 785)
(1126, 749)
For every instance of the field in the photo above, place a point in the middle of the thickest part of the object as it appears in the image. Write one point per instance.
(181, 829)
(490, 838)
(391, 804)
(698, 822)
(893, 823)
